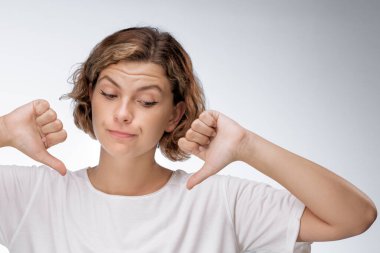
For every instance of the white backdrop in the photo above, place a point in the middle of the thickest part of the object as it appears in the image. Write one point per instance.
(303, 74)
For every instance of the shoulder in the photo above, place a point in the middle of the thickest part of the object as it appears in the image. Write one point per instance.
(35, 174)
(180, 177)
(51, 176)
(219, 182)
(20, 174)
(16, 168)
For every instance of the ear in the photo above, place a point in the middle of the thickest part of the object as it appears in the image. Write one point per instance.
(178, 111)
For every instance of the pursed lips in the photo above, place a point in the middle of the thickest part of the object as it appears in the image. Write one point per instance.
(121, 134)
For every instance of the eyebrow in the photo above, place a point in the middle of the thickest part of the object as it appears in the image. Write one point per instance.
(145, 87)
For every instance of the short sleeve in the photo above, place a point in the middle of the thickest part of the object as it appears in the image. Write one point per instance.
(265, 219)
(17, 185)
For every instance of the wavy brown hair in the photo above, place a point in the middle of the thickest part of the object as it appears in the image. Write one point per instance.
(141, 44)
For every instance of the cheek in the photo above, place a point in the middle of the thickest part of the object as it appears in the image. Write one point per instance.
(97, 114)
(155, 122)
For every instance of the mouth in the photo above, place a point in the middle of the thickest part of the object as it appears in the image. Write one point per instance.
(120, 134)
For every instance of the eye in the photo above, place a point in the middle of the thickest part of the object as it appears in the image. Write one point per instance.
(147, 103)
(108, 95)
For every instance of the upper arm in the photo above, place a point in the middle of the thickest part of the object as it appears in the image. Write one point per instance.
(314, 229)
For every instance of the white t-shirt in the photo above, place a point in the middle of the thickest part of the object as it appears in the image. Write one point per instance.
(43, 212)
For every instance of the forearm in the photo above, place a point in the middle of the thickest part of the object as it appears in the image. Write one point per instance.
(329, 197)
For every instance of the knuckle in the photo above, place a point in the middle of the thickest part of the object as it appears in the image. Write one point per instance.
(189, 133)
(194, 149)
(182, 145)
(206, 118)
(39, 102)
(211, 132)
(58, 124)
(64, 135)
(53, 114)
(180, 141)
(40, 106)
(205, 139)
(43, 103)
(203, 115)
(194, 124)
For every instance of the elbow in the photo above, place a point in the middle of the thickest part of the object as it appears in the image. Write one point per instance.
(365, 221)
(371, 216)
(357, 224)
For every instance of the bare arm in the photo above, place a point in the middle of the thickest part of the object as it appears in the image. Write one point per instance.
(3, 136)
(335, 209)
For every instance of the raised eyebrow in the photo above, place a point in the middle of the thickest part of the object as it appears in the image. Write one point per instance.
(149, 87)
(143, 88)
(109, 79)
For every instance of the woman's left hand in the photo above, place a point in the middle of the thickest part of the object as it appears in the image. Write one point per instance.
(217, 140)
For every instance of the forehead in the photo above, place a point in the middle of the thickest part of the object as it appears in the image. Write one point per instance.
(136, 72)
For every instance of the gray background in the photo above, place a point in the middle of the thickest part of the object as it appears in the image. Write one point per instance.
(303, 74)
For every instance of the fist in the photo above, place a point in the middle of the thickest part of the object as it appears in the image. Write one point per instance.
(214, 138)
(32, 129)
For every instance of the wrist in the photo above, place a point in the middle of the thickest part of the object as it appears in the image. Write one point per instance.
(246, 149)
(3, 133)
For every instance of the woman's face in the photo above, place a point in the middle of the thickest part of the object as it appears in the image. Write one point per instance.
(132, 106)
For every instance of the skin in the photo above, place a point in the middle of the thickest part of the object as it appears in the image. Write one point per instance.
(37, 130)
(335, 209)
(125, 101)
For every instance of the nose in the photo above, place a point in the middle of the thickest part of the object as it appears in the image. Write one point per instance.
(123, 112)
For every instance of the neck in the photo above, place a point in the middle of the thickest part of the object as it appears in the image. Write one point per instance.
(128, 175)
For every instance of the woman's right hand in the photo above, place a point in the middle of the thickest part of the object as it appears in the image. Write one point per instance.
(32, 129)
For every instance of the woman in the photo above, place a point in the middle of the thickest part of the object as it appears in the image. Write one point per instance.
(137, 91)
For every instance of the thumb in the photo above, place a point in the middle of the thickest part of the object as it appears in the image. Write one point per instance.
(49, 160)
(198, 177)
